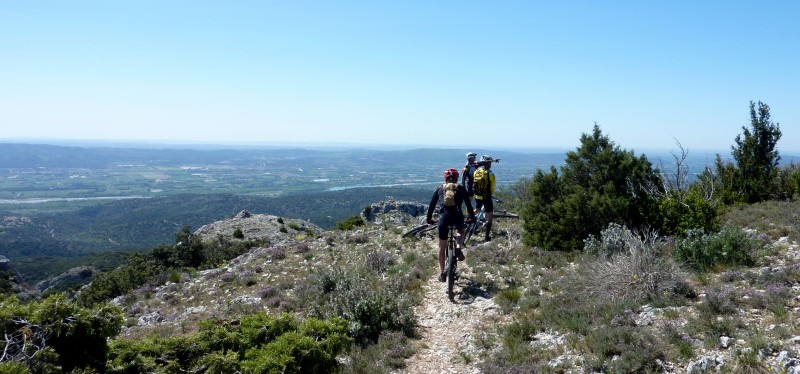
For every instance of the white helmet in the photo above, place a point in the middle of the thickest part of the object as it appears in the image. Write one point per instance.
(487, 159)
(472, 155)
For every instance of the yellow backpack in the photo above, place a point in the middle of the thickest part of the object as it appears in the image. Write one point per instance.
(449, 194)
(481, 185)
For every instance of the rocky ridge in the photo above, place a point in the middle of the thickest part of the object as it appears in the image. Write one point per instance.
(453, 337)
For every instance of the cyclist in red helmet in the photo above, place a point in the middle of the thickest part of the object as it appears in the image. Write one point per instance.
(452, 195)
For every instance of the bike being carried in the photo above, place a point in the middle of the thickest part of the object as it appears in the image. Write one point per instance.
(452, 195)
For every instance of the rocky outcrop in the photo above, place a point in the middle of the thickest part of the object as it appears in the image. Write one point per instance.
(396, 212)
(248, 226)
(73, 277)
(4, 263)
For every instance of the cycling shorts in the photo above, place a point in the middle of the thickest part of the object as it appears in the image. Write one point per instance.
(484, 202)
(447, 219)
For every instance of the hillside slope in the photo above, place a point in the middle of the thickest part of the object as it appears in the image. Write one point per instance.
(517, 308)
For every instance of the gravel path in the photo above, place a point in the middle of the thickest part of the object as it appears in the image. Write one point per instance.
(448, 330)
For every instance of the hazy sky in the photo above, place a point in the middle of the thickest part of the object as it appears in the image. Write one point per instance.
(438, 73)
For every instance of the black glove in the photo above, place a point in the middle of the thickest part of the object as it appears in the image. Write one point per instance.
(429, 221)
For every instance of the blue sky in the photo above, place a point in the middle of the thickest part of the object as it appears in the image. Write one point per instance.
(433, 73)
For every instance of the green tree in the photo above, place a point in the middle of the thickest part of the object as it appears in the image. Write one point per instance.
(598, 184)
(754, 177)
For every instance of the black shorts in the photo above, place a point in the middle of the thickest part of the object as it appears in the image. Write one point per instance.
(484, 202)
(447, 219)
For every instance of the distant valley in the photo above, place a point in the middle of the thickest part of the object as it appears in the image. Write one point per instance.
(67, 202)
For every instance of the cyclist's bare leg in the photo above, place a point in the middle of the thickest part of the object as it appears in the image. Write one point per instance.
(460, 241)
(489, 216)
(442, 247)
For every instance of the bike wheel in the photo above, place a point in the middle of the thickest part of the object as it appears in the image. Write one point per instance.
(451, 272)
(503, 213)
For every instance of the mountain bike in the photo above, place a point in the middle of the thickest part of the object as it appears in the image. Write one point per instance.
(451, 261)
(480, 220)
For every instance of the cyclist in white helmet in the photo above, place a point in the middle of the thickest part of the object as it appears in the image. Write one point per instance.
(467, 173)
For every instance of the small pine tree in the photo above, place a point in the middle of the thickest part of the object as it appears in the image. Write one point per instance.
(598, 184)
(754, 176)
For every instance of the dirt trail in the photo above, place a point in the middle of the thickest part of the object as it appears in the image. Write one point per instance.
(449, 330)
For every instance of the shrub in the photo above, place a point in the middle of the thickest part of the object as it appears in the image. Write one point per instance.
(221, 362)
(75, 337)
(679, 214)
(358, 238)
(379, 261)
(509, 298)
(681, 341)
(721, 301)
(267, 292)
(13, 367)
(369, 303)
(389, 354)
(628, 268)
(174, 276)
(238, 234)
(639, 276)
(276, 253)
(729, 247)
(618, 239)
(259, 343)
(350, 223)
(311, 349)
(625, 349)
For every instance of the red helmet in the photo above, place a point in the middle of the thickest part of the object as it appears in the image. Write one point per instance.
(451, 174)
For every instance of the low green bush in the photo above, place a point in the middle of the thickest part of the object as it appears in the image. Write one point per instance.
(624, 349)
(56, 332)
(689, 212)
(705, 252)
(238, 234)
(259, 343)
(369, 303)
(350, 223)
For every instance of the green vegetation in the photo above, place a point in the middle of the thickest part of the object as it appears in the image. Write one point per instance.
(601, 184)
(639, 262)
(753, 177)
(599, 180)
(56, 335)
(350, 223)
(141, 268)
(258, 343)
(704, 252)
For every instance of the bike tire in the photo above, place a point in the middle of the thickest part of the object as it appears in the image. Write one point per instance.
(451, 271)
(419, 230)
(504, 214)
